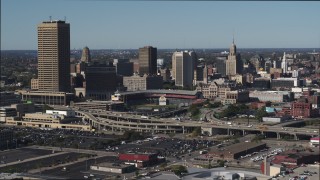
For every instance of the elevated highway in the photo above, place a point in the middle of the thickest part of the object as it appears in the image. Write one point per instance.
(123, 121)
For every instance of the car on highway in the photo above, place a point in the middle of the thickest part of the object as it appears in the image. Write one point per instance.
(64, 169)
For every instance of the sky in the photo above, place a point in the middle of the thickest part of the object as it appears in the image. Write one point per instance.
(101, 24)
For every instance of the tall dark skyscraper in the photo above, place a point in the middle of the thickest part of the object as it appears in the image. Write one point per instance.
(101, 81)
(148, 60)
(54, 56)
(221, 65)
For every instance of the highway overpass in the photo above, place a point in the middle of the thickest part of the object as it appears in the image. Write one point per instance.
(124, 121)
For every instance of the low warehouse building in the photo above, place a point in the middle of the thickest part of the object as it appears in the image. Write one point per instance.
(315, 141)
(295, 158)
(235, 151)
(276, 119)
(140, 159)
(113, 168)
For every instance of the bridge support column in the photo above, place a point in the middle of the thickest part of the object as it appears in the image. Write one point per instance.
(295, 137)
(278, 136)
(243, 133)
(182, 129)
(228, 133)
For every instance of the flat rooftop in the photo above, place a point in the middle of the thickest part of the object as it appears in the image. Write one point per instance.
(139, 153)
(113, 165)
(161, 91)
(239, 147)
(98, 102)
(270, 92)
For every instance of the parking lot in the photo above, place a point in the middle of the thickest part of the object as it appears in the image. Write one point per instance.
(61, 138)
(310, 172)
(166, 147)
(80, 169)
(21, 154)
(36, 161)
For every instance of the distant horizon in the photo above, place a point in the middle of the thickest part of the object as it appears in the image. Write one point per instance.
(180, 49)
(165, 24)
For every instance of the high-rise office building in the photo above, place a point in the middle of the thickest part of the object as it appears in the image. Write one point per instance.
(101, 81)
(258, 62)
(86, 57)
(200, 74)
(221, 65)
(138, 83)
(123, 67)
(182, 68)
(233, 63)
(160, 63)
(54, 56)
(284, 63)
(268, 65)
(148, 60)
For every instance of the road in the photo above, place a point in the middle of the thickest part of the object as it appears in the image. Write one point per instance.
(86, 151)
(166, 124)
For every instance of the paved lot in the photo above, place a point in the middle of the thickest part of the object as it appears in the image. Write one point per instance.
(21, 154)
(167, 147)
(80, 169)
(300, 170)
(52, 160)
(60, 137)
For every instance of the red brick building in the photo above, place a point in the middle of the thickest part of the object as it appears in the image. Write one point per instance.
(141, 159)
(301, 108)
(295, 158)
(285, 111)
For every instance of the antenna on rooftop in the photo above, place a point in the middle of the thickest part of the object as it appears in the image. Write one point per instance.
(50, 18)
(65, 19)
(233, 36)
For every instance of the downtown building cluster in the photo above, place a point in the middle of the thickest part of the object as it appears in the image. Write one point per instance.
(229, 80)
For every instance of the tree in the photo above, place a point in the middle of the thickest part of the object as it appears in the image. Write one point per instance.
(236, 141)
(163, 165)
(179, 169)
(261, 113)
(233, 110)
(132, 135)
(137, 173)
(221, 163)
(196, 132)
(194, 110)
(171, 135)
(46, 107)
(209, 164)
(216, 104)
(258, 138)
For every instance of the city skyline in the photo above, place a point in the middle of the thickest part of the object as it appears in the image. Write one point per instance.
(165, 25)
